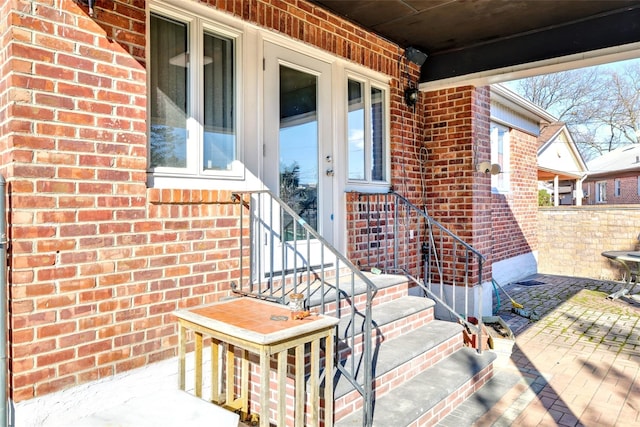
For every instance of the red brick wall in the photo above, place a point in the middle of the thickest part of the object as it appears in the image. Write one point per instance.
(434, 168)
(628, 190)
(457, 138)
(77, 197)
(98, 261)
(515, 213)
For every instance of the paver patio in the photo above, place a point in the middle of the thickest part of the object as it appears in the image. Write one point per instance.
(579, 365)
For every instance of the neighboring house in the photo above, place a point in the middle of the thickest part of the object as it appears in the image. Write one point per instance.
(127, 133)
(561, 168)
(614, 177)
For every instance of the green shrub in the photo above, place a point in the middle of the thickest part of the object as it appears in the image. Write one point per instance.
(544, 198)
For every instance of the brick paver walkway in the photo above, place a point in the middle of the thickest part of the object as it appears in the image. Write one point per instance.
(579, 365)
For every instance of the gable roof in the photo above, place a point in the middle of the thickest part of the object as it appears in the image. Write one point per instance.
(558, 154)
(548, 132)
(622, 159)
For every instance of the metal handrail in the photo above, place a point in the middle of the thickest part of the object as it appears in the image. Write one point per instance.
(299, 260)
(404, 239)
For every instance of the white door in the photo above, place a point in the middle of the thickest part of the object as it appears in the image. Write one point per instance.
(298, 153)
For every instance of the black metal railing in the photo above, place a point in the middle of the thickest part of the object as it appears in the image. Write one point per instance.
(281, 254)
(401, 238)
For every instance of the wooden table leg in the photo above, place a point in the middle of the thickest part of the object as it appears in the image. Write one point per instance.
(198, 362)
(314, 383)
(299, 386)
(182, 350)
(282, 388)
(229, 373)
(215, 376)
(264, 388)
(328, 380)
(244, 383)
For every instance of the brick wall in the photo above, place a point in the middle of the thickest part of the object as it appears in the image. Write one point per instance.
(457, 138)
(572, 238)
(98, 261)
(6, 95)
(628, 189)
(435, 169)
(514, 214)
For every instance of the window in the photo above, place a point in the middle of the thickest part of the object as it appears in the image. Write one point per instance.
(639, 186)
(367, 131)
(617, 191)
(192, 126)
(500, 155)
(601, 192)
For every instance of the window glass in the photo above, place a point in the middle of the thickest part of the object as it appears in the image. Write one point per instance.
(356, 130)
(218, 96)
(616, 187)
(367, 133)
(169, 92)
(299, 175)
(377, 135)
(601, 192)
(192, 96)
(500, 156)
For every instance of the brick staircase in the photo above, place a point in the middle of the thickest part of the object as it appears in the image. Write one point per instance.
(417, 369)
(422, 371)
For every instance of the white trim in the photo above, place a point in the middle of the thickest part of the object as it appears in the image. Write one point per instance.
(368, 182)
(509, 99)
(505, 165)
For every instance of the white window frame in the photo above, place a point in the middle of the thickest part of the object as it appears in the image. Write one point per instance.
(601, 191)
(617, 187)
(500, 183)
(368, 184)
(188, 177)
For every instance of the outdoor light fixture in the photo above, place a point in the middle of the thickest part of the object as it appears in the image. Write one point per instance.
(414, 55)
(411, 96)
(411, 92)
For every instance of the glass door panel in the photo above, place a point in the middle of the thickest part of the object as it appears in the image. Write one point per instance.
(298, 147)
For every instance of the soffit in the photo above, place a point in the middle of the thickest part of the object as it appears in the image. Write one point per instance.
(464, 37)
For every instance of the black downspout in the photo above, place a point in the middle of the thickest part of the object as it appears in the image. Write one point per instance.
(4, 407)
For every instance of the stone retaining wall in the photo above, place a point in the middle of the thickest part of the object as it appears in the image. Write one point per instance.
(572, 238)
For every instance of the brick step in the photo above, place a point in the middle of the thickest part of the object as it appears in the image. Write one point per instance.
(428, 396)
(397, 360)
(390, 320)
(388, 288)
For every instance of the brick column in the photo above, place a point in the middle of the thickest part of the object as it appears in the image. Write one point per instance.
(457, 137)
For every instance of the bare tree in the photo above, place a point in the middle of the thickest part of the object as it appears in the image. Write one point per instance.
(625, 113)
(601, 107)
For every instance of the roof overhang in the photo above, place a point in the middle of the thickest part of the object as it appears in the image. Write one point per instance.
(488, 41)
(617, 172)
(545, 174)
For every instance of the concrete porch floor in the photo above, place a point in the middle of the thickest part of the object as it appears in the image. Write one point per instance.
(579, 365)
